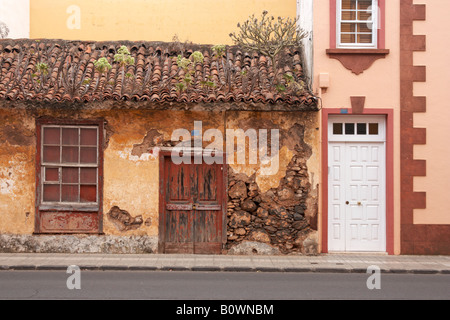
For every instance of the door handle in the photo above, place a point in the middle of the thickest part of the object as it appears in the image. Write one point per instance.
(358, 203)
(194, 206)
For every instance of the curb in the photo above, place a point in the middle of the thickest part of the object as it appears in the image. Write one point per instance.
(216, 269)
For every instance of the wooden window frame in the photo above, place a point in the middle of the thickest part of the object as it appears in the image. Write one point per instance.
(68, 217)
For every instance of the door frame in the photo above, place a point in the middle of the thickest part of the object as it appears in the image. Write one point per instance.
(165, 156)
(389, 114)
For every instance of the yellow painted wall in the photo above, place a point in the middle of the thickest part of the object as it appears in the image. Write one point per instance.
(199, 21)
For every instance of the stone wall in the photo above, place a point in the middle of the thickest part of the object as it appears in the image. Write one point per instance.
(283, 217)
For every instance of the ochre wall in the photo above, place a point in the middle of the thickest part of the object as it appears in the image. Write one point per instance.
(199, 21)
(131, 174)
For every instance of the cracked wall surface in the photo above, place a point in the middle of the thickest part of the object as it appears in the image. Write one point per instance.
(131, 166)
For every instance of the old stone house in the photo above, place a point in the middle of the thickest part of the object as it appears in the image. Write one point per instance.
(86, 154)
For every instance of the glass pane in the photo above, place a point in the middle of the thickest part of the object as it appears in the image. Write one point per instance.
(349, 128)
(337, 128)
(70, 136)
(51, 136)
(88, 155)
(51, 174)
(364, 4)
(364, 38)
(51, 193)
(51, 154)
(88, 193)
(70, 154)
(348, 27)
(361, 128)
(373, 128)
(348, 15)
(69, 193)
(365, 16)
(88, 137)
(70, 175)
(348, 38)
(348, 4)
(365, 27)
(88, 175)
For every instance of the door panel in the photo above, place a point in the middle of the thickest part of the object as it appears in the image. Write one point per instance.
(357, 196)
(193, 208)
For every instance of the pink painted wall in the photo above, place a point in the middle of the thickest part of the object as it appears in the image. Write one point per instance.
(436, 120)
(380, 84)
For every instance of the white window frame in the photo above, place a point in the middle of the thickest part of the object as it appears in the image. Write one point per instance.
(375, 19)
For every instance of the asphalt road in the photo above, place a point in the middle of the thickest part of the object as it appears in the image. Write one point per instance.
(219, 285)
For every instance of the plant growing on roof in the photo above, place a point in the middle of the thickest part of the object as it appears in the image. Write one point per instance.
(102, 65)
(123, 58)
(188, 65)
(270, 37)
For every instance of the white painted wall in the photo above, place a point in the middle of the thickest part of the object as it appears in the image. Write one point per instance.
(305, 19)
(15, 19)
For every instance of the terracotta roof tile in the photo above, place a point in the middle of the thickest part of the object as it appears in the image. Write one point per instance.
(72, 77)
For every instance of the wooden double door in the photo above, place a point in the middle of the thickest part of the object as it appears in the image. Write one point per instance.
(192, 214)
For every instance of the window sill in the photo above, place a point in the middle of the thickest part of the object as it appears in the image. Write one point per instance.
(357, 60)
(69, 208)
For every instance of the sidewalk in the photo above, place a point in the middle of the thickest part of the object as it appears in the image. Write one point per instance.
(342, 263)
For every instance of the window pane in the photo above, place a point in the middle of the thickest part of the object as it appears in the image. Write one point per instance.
(51, 193)
(51, 154)
(88, 175)
(51, 174)
(365, 16)
(348, 38)
(348, 4)
(365, 27)
(349, 128)
(364, 38)
(69, 193)
(348, 15)
(364, 4)
(51, 136)
(70, 154)
(88, 137)
(373, 128)
(88, 193)
(70, 175)
(337, 128)
(348, 27)
(70, 136)
(361, 128)
(88, 155)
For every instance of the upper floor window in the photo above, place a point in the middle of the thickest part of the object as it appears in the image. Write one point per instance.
(357, 23)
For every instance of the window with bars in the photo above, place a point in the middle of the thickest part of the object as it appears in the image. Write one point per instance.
(69, 165)
(357, 23)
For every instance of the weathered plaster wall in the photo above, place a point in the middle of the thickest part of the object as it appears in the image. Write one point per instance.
(17, 174)
(131, 169)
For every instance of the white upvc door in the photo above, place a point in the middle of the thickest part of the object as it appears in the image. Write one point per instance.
(357, 185)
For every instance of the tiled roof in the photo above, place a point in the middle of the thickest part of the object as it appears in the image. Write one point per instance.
(72, 77)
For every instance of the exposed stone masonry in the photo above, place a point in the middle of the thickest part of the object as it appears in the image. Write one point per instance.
(276, 217)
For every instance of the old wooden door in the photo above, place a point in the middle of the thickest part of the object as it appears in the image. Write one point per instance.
(191, 208)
